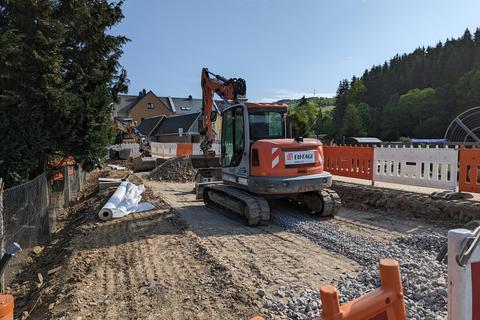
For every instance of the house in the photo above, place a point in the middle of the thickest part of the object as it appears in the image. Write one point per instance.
(149, 125)
(141, 106)
(148, 104)
(179, 128)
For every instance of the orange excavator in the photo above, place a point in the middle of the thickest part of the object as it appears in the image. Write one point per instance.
(257, 160)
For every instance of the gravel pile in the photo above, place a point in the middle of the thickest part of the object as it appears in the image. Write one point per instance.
(174, 170)
(424, 279)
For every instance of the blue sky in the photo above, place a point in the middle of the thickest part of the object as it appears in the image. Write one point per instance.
(282, 48)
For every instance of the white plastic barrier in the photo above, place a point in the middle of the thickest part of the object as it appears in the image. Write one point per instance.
(463, 280)
(134, 148)
(163, 150)
(198, 151)
(423, 167)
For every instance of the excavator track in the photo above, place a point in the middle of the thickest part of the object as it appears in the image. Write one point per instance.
(254, 208)
(324, 203)
(331, 203)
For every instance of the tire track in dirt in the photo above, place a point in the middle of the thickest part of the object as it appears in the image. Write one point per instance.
(258, 257)
(145, 266)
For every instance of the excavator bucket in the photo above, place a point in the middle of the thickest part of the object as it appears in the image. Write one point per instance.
(202, 162)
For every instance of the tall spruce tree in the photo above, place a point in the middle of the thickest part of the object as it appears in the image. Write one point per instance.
(59, 73)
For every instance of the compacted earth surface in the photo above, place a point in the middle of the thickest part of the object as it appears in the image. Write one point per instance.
(183, 260)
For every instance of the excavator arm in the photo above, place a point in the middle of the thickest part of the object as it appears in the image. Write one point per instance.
(231, 91)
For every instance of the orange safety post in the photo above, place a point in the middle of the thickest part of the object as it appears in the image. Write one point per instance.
(349, 161)
(384, 303)
(184, 149)
(469, 173)
(6, 307)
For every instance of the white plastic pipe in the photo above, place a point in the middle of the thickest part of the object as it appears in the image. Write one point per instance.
(108, 210)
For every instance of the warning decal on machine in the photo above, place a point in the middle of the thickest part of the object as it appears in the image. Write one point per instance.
(299, 157)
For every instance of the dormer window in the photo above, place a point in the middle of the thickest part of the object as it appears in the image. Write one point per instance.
(150, 105)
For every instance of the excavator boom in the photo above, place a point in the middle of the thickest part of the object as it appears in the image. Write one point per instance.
(231, 91)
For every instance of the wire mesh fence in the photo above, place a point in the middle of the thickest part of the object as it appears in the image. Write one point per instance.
(26, 212)
(30, 210)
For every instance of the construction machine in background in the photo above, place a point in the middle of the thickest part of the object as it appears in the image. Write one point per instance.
(126, 132)
(257, 162)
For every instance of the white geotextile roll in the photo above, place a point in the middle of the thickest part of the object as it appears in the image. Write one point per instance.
(130, 200)
(124, 201)
(106, 213)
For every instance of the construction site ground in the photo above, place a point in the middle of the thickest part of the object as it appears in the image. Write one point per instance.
(182, 260)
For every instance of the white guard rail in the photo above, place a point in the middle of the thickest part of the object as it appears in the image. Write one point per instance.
(463, 275)
(134, 148)
(163, 149)
(423, 167)
(197, 151)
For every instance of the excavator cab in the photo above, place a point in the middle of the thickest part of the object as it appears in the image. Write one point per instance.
(242, 125)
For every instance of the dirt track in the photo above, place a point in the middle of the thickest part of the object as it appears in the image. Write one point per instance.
(191, 262)
(260, 257)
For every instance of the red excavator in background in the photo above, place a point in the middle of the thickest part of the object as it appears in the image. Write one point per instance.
(257, 161)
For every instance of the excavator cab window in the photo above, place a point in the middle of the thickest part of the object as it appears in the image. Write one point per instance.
(233, 137)
(266, 125)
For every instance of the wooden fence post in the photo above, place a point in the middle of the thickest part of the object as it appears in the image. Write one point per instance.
(2, 234)
(66, 186)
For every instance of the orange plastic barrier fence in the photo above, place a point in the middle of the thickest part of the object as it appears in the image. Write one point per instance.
(349, 161)
(184, 149)
(384, 303)
(6, 307)
(59, 174)
(469, 173)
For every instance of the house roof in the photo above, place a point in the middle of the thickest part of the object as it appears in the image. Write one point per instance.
(171, 125)
(126, 102)
(179, 106)
(187, 105)
(148, 125)
(366, 139)
(190, 105)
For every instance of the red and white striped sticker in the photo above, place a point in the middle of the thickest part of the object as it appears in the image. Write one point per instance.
(275, 157)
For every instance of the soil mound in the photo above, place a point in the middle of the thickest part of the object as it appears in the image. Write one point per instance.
(174, 170)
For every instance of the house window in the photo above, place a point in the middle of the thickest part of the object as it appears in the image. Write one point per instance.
(150, 105)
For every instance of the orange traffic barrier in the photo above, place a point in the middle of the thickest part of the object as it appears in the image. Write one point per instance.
(469, 173)
(349, 161)
(384, 303)
(184, 149)
(6, 307)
